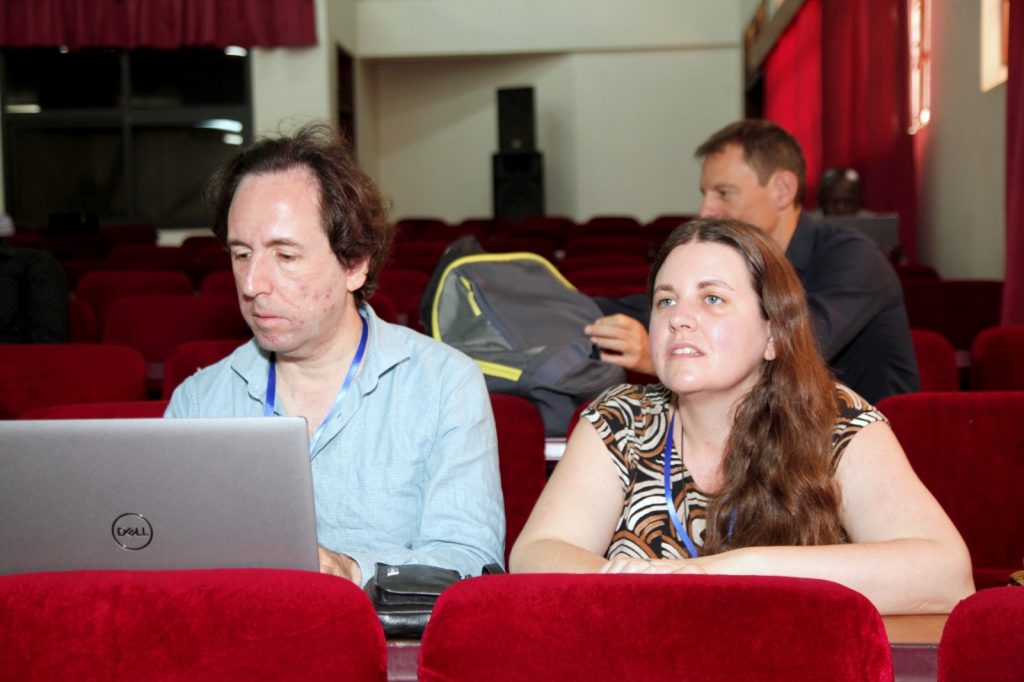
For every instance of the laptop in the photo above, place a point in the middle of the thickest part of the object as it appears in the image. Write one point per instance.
(156, 494)
(882, 228)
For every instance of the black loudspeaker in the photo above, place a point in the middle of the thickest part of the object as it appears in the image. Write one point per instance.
(518, 185)
(515, 120)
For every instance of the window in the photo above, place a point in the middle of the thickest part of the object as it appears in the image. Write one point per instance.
(995, 42)
(125, 135)
(920, 64)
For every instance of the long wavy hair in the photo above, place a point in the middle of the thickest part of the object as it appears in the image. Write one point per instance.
(777, 466)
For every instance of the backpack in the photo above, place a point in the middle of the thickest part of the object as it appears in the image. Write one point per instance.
(522, 322)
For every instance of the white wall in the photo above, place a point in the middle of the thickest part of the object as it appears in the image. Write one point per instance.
(963, 153)
(622, 98)
(293, 85)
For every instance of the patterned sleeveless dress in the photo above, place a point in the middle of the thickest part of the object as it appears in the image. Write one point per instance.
(633, 422)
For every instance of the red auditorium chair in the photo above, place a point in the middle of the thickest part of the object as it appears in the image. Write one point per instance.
(607, 281)
(130, 233)
(610, 224)
(408, 228)
(554, 228)
(997, 359)
(155, 325)
(641, 627)
(100, 287)
(405, 288)
(218, 283)
(521, 459)
(412, 254)
(504, 243)
(958, 309)
(150, 256)
(85, 328)
(936, 361)
(968, 449)
(227, 624)
(984, 638)
(130, 409)
(198, 243)
(603, 245)
(40, 375)
(190, 357)
(916, 271)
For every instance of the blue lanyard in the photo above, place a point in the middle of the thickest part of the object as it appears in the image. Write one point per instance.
(268, 404)
(670, 503)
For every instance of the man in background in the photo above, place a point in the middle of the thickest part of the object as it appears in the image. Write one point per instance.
(753, 170)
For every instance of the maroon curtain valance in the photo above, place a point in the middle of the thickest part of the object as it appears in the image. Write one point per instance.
(162, 24)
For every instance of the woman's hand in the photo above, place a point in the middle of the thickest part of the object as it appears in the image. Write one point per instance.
(623, 564)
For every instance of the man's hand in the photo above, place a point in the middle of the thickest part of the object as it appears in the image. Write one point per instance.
(623, 341)
(340, 565)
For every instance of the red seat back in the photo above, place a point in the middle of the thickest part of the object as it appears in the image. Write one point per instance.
(100, 287)
(640, 627)
(984, 638)
(997, 359)
(190, 357)
(228, 624)
(521, 458)
(968, 450)
(40, 375)
(936, 361)
(931, 302)
(129, 409)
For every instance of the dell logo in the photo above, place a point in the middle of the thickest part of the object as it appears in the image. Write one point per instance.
(132, 531)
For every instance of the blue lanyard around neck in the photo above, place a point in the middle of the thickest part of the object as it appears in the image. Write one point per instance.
(268, 404)
(670, 502)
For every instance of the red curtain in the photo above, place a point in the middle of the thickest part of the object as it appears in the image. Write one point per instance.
(792, 92)
(838, 79)
(1013, 291)
(163, 24)
(866, 104)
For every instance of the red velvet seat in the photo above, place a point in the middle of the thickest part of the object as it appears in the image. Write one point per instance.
(228, 624)
(968, 450)
(155, 325)
(958, 309)
(404, 287)
(610, 224)
(129, 409)
(100, 287)
(521, 459)
(997, 359)
(640, 627)
(936, 361)
(40, 375)
(190, 357)
(218, 283)
(85, 327)
(984, 638)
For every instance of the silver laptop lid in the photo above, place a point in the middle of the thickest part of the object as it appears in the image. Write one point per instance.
(156, 494)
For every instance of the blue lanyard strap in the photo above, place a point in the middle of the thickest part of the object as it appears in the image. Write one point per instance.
(268, 404)
(669, 502)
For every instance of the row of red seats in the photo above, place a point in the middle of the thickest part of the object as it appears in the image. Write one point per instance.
(300, 625)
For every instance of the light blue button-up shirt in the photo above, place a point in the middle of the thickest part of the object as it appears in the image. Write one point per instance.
(406, 470)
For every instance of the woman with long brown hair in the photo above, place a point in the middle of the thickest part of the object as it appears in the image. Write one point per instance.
(748, 458)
